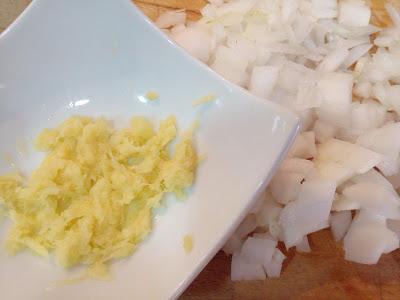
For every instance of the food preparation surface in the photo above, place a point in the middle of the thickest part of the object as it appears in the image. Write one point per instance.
(321, 274)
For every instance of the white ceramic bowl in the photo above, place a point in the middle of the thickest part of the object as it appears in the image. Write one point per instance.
(98, 58)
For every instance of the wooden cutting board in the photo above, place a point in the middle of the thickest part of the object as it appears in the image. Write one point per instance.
(321, 274)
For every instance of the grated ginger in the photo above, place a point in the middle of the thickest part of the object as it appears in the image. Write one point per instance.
(151, 95)
(91, 199)
(204, 100)
(188, 243)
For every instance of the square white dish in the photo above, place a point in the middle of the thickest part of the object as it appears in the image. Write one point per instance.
(99, 58)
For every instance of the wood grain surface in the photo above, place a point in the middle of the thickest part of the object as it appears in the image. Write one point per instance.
(321, 274)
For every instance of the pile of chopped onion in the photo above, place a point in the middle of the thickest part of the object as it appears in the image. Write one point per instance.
(317, 58)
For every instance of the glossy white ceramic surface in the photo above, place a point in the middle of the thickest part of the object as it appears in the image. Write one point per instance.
(98, 58)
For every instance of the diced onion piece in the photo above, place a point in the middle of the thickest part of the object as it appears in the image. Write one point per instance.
(334, 171)
(324, 9)
(367, 115)
(216, 2)
(242, 270)
(301, 54)
(235, 7)
(209, 11)
(394, 180)
(392, 97)
(285, 186)
(324, 131)
(234, 244)
(352, 156)
(301, 166)
(303, 146)
(355, 54)
(307, 95)
(363, 89)
(248, 225)
(336, 95)
(333, 60)
(178, 28)
(372, 176)
(289, 8)
(258, 250)
(230, 65)
(340, 223)
(394, 225)
(268, 215)
(302, 26)
(242, 46)
(303, 246)
(273, 269)
(349, 135)
(394, 14)
(372, 197)
(171, 18)
(354, 13)
(308, 118)
(263, 80)
(309, 213)
(384, 140)
(196, 41)
(368, 238)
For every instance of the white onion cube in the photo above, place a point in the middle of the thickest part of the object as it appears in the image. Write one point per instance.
(257, 250)
(242, 270)
(340, 223)
(368, 238)
(308, 213)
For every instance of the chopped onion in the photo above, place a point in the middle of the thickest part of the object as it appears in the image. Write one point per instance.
(304, 146)
(394, 225)
(230, 65)
(273, 269)
(384, 140)
(368, 238)
(363, 89)
(367, 115)
(371, 197)
(285, 186)
(258, 250)
(242, 270)
(263, 80)
(372, 176)
(234, 243)
(301, 166)
(394, 15)
(324, 131)
(314, 58)
(354, 13)
(268, 215)
(336, 95)
(196, 41)
(354, 157)
(340, 223)
(355, 54)
(303, 246)
(394, 180)
(324, 9)
(333, 171)
(247, 226)
(171, 18)
(392, 96)
(308, 213)
(333, 60)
